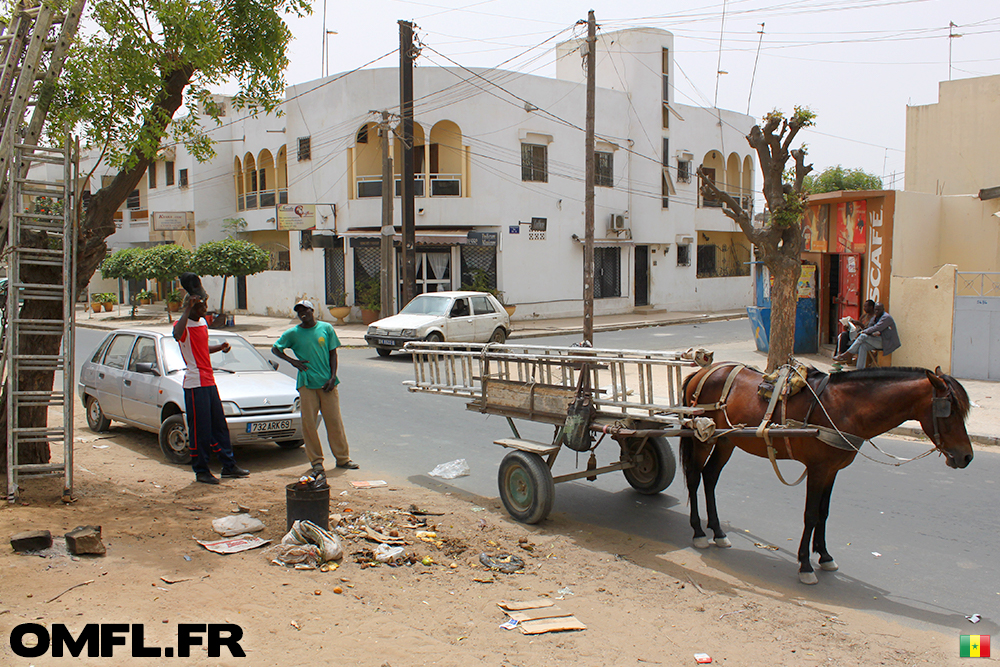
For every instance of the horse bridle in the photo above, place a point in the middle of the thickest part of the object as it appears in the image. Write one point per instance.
(940, 409)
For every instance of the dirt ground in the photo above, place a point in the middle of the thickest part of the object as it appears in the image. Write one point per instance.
(642, 603)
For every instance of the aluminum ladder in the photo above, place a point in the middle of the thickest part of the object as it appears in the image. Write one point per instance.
(39, 240)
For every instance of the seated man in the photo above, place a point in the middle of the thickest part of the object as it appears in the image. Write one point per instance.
(848, 336)
(880, 335)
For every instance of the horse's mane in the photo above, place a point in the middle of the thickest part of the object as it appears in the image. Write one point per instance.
(882, 374)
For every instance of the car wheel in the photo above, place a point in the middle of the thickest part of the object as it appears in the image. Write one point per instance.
(499, 336)
(382, 352)
(174, 439)
(435, 337)
(95, 416)
(291, 444)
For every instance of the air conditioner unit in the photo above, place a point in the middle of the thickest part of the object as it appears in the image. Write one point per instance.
(617, 222)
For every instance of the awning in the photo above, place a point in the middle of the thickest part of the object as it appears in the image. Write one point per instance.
(423, 237)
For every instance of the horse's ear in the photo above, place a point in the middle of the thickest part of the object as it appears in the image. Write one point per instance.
(938, 371)
(937, 382)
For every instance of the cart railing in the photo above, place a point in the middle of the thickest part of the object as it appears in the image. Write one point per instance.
(538, 382)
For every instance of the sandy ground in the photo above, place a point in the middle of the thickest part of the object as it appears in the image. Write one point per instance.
(642, 603)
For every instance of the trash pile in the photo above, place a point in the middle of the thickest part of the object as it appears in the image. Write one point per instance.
(307, 547)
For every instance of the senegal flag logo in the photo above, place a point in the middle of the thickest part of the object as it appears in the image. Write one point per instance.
(974, 646)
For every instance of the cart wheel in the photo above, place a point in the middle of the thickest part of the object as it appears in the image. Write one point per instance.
(526, 486)
(655, 464)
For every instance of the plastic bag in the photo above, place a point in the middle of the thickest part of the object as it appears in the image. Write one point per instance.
(306, 532)
(237, 524)
(388, 554)
(451, 469)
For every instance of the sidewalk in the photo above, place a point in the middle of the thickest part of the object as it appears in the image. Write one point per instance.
(983, 424)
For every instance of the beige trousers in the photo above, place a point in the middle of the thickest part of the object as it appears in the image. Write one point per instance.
(313, 402)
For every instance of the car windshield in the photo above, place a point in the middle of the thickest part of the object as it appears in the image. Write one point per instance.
(241, 358)
(427, 304)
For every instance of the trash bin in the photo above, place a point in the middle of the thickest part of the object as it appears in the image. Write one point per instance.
(303, 503)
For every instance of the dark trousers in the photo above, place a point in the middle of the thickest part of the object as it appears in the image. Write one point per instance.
(207, 428)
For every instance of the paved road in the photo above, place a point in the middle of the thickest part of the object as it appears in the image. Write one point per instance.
(935, 528)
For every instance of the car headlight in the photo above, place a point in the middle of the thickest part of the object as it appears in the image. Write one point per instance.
(230, 409)
(371, 331)
(408, 333)
(297, 406)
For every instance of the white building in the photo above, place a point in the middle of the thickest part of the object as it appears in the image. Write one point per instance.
(495, 151)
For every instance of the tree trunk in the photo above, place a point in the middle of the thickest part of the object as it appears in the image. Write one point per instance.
(784, 302)
(222, 301)
(96, 225)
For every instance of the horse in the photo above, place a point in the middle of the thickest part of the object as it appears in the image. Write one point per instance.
(863, 403)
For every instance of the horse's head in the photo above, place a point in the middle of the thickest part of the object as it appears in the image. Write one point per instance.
(943, 418)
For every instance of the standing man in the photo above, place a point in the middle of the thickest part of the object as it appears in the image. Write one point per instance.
(315, 346)
(206, 420)
(881, 334)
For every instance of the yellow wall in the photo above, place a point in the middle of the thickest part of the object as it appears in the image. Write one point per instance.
(973, 233)
(727, 261)
(924, 309)
(916, 234)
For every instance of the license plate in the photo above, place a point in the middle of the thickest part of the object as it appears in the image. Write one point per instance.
(386, 341)
(264, 427)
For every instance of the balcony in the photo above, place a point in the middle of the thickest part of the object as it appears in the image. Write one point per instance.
(265, 199)
(441, 185)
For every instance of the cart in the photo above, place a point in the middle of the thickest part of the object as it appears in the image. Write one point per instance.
(635, 395)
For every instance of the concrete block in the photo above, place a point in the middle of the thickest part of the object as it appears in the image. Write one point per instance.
(85, 540)
(31, 540)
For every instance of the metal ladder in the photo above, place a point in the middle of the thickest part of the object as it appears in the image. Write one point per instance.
(59, 230)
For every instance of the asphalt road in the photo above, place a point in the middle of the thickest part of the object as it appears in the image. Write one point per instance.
(935, 529)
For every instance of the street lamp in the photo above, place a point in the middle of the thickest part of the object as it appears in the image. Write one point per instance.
(326, 53)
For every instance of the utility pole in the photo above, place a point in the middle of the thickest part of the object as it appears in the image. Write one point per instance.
(588, 246)
(406, 193)
(387, 230)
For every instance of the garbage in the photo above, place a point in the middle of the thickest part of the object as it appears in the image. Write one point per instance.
(385, 553)
(451, 469)
(509, 624)
(233, 545)
(975, 618)
(702, 658)
(876, 554)
(427, 560)
(565, 591)
(535, 617)
(369, 484)
(502, 563)
(306, 532)
(237, 524)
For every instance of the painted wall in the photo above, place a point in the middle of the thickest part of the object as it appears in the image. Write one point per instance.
(916, 243)
(924, 310)
(952, 146)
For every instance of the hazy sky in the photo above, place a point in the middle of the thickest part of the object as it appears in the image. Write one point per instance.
(856, 63)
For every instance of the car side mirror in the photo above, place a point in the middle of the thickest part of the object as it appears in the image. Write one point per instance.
(274, 364)
(148, 368)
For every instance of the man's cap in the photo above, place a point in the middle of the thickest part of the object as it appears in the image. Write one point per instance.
(304, 304)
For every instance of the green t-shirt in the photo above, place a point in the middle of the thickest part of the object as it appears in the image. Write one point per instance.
(313, 346)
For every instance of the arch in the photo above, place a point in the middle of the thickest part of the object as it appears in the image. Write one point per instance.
(733, 181)
(445, 154)
(281, 169)
(419, 157)
(713, 163)
(250, 180)
(368, 154)
(748, 174)
(266, 178)
(238, 182)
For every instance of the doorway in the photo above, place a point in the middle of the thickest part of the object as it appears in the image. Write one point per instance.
(642, 275)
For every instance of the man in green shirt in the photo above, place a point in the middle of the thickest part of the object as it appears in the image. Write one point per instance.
(315, 346)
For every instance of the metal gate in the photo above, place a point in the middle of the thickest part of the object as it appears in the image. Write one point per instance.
(975, 340)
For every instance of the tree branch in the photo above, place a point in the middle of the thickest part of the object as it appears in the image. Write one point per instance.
(733, 208)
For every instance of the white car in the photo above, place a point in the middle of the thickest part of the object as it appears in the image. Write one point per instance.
(459, 317)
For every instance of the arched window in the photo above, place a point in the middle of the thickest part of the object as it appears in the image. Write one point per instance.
(250, 180)
(238, 178)
(445, 159)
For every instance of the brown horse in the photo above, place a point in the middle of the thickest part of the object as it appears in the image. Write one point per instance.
(864, 403)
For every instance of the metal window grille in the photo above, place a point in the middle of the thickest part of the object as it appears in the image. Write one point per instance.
(479, 258)
(151, 171)
(534, 163)
(604, 169)
(683, 171)
(684, 255)
(607, 272)
(706, 260)
(132, 201)
(367, 264)
(305, 148)
(169, 173)
(333, 263)
(182, 179)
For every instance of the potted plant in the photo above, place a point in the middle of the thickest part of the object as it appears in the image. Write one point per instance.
(174, 300)
(96, 301)
(338, 306)
(369, 298)
(144, 297)
(109, 299)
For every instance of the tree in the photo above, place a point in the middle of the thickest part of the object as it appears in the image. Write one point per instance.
(164, 263)
(122, 83)
(229, 258)
(779, 240)
(833, 179)
(124, 264)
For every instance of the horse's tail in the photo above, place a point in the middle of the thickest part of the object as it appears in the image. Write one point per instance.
(686, 441)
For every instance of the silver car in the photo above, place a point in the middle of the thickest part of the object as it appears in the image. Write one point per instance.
(136, 377)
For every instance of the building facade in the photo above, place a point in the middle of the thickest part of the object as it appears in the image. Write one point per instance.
(499, 182)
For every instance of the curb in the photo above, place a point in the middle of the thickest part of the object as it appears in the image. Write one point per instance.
(977, 438)
(538, 333)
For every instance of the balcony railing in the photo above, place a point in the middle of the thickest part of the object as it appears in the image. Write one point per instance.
(442, 185)
(446, 185)
(266, 199)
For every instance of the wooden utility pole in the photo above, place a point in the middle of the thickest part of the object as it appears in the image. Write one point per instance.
(387, 230)
(588, 245)
(407, 213)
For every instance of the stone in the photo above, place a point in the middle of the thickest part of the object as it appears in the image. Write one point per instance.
(31, 540)
(85, 540)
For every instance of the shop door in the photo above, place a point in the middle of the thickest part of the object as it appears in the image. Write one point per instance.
(642, 275)
(849, 295)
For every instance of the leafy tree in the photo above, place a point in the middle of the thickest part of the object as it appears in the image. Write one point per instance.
(125, 264)
(779, 240)
(837, 178)
(229, 258)
(164, 263)
(133, 65)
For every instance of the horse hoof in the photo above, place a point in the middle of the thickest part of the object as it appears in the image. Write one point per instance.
(701, 543)
(829, 566)
(723, 542)
(808, 578)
